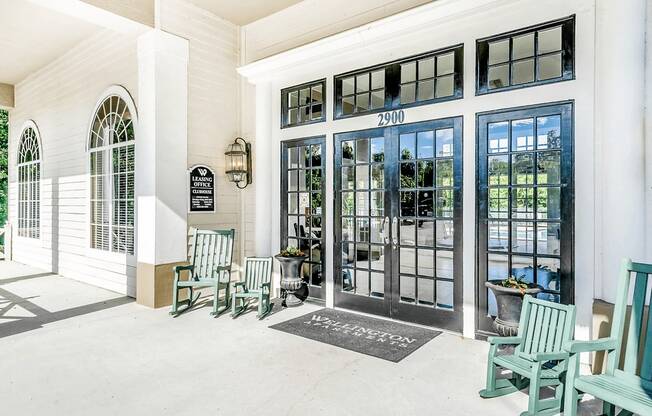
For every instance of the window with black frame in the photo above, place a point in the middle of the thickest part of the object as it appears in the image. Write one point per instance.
(303, 104)
(424, 79)
(303, 175)
(526, 57)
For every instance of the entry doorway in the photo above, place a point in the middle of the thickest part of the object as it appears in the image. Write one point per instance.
(398, 222)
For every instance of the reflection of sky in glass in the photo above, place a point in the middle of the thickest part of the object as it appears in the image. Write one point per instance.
(407, 146)
(523, 134)
(548, 129)
(425, 143)
(444, 139)
(498, 135)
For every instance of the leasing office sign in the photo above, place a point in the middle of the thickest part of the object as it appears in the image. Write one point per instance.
(202, 189)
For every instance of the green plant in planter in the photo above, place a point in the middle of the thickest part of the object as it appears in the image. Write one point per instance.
(291, 251)
(513, 282)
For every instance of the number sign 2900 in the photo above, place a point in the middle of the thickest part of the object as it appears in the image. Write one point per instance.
(391, 117)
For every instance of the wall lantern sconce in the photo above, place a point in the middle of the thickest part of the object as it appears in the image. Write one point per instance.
(238, 162)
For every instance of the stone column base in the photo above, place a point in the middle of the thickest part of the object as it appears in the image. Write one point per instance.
(154, 284)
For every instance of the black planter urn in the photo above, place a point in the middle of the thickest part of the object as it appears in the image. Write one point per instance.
(291, 280)
(509, 302)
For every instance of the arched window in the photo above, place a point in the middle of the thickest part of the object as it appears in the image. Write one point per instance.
(29, 184)
(111, 146)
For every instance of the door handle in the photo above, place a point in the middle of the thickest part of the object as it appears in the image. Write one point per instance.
(385, 225)
(395, 232)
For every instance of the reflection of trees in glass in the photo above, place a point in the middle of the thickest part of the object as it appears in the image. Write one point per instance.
(347, 151)
(406, 154)
(407, 175)
(554, 138)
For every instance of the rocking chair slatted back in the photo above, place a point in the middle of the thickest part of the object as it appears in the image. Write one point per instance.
(211, 253)
(258, 270)
(637, 359)
(544, 327)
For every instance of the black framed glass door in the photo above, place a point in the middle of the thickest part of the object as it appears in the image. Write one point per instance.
(398, 216)
(303, 178)
(525, 202)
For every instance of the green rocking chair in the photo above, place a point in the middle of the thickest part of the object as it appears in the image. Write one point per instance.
(538, 355)
(256, 284)
(210, 256)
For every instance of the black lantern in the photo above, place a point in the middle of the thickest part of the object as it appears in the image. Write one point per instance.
(238, 162)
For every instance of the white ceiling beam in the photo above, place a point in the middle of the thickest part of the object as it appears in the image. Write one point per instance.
(6, 96)
(124, 16)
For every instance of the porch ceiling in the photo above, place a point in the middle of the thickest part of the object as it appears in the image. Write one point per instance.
(242, 12)
(31, 36)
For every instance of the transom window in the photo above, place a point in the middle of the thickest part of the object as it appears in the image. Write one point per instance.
(112, 167)
(432, 77)
(29, 185)
(526, 57)
(303, 104)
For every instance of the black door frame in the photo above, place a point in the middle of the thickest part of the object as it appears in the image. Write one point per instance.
(390, 305)
(483, 324)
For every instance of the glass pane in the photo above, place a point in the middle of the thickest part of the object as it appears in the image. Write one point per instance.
(425, 142)
(444, 86)
(376, 230)
(378, 149)
(498, 76)
(406, 285)
(408, 72)
(445, 203)
(348, 105)
(497, 266)
(377, 204)
(348, 276)
(293, 157)
(316, 94)
(292, 204)
(444, 233)
(498, 167)
(548, 271)
(444, 264)
(445, 294)
(362, 102)
(407, 232)
(377, 176)
(377, 285)
(549, 40)
(523, 237)
(523, 134)
(304, 199)
(425, 202)
(377, 257)
(362, 151)
(316, 111)
(315, 275)
(362, 82)
(304, 96)
(523, 46)
(304, 180)
(362, 203)
(378, 79)
(408, 204)
(550, 66)
(427, 90)
(522, 169)
(408, 145)
(498, 52)
(292, 181)
(348, 254)
(498, 137)
(523, 71)
(425, 233)
(548, 203)
(362, 231)
(347, 229)
(548, 238)
(407, 260)
(315, 152)
(444, 142)
(445, 64)
(498, 233)
(407, 175)
(293, 116)
(427, 68)
(498, 202)
(347, 86)
(377, 99)
(445, 172)
(293, 226)
(548, 168)
(523, 203)
(522, 268)
(425, 262)
(408, 93)
(348, 153)
(348, 177)
(362, 282)
(548, 132)
(426, 291)
(425, 174)
(347, 203)
(293, 98)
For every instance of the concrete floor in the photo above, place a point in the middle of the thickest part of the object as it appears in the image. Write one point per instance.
(68, 348)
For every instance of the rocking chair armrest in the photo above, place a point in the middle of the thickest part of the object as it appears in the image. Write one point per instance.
(236, 285)
(602, 344)
(267, 286)
(550, 356)
(179, 269)
(504, 340)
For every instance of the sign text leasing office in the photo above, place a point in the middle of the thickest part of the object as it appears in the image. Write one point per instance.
(202, 189)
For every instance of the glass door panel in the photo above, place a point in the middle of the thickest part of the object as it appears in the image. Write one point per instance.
(525, 198)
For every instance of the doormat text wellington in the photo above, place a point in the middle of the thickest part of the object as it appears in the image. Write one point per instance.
(389, 340)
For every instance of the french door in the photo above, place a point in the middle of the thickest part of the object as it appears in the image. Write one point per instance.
(525, 202)
(398, 222)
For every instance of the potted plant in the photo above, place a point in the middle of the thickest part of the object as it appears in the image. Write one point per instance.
(509, 299)
(291, 259)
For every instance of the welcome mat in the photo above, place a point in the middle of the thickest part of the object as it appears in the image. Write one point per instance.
(389, 340)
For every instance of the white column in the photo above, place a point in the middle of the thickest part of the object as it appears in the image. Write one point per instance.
(263, 174)
(161, 160)
(620, 167)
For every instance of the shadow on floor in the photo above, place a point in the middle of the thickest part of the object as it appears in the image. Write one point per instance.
(9, 300)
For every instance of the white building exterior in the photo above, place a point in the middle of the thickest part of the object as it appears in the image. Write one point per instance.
(197, 81)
